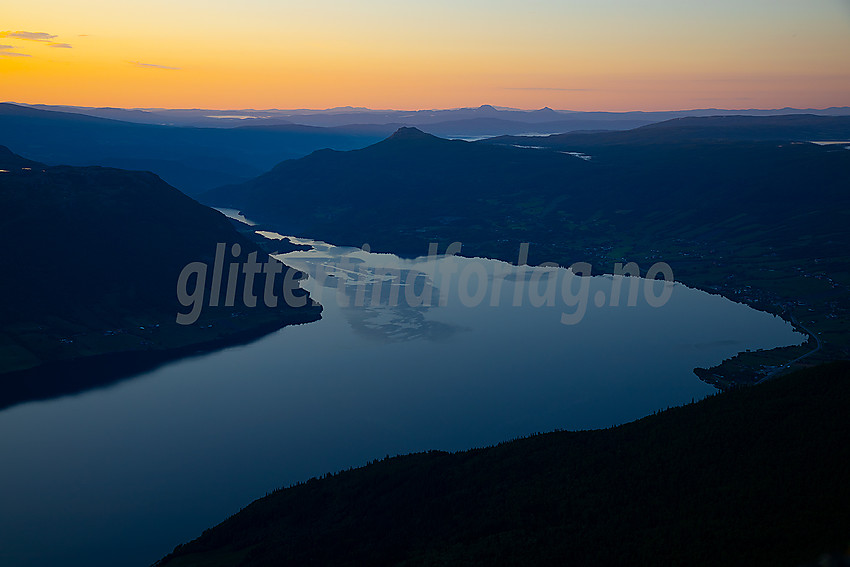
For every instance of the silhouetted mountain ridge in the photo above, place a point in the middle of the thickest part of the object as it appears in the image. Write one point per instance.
(793, 127)
(192, 159)
(346, 115)
(411, 133)
(385, 193)
(8, 159)
(7, 109)
(94, 257)
(411, 177)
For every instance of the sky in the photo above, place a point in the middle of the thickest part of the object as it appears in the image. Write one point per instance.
(576, 55)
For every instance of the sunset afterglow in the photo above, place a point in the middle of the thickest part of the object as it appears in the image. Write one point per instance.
(654, 55)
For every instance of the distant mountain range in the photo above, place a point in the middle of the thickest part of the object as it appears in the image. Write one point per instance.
(788, 128)
(196, 150)
(92, 261)
(344, 116)
(192, 159)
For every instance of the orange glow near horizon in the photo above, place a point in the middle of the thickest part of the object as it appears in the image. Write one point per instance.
(660, 55)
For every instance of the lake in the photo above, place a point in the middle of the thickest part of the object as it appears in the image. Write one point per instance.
(433, 353)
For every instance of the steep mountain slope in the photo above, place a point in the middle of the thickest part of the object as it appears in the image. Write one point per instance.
(407, 181)
(93, 258)
(400, 192)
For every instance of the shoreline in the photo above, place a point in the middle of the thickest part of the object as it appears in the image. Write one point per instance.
(54, 379)
(744, 368)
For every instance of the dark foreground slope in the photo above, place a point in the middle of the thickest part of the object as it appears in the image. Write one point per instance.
(755, 476)
(91, 260)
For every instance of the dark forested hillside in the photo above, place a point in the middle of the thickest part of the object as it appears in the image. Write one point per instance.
(411, 187)
(92, 258)
(755, 476)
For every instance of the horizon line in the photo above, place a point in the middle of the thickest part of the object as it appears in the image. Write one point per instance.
(365, 109)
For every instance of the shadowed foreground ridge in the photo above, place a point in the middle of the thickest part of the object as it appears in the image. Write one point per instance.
(90, 293)
(753, 476)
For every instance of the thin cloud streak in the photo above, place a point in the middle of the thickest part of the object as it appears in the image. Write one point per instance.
(40, 37)
(31, 36)
(154, 66)
(5, 53)
(546, 89)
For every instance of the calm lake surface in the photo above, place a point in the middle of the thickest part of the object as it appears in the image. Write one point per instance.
(442, 353)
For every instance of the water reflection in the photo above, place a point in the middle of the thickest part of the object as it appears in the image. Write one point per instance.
(120, 475)
(382, 294)
(385, 301)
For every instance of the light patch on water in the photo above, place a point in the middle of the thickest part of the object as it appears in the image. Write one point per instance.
(236, 215)
(579, 155)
